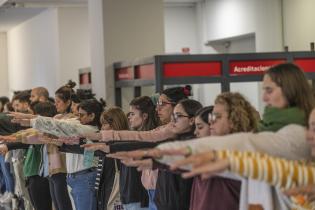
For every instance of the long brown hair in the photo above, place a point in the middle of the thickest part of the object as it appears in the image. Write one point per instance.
(145, 105)
(291, 79)
(116, 118)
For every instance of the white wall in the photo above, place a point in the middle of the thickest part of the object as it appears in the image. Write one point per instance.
(33, 52)
(226, 19)
(74, 43)
(132, 29)
(180, 28)
(299, 24)
(48, 49)
(229, 18)
(4, 86)
(212, 20)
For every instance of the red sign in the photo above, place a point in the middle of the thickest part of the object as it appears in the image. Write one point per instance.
(124, 73)
(306, 64)
(252, 67)
(192, 69)
(85, 78)
(145, 72)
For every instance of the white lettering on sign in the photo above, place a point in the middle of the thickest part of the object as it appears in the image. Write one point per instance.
(259, 68)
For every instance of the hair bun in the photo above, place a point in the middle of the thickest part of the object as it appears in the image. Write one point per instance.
(103, 102)
(70, 84)
(187, 90)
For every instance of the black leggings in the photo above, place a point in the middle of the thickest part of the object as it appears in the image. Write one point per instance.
(38, 189)
(59, 191)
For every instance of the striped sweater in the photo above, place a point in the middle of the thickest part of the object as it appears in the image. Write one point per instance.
(279, 172)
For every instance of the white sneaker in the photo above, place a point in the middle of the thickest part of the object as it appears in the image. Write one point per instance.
(15, 204)
(7, 199)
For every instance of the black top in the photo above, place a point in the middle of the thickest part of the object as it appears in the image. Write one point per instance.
(16, 145)
(130, 186)
(8, 128)
(172, 191)
(106, 176)
(130, 146)
(75, 149)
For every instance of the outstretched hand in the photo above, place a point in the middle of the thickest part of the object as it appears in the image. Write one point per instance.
(206, 170)
(194, 160)
(308, 191)
(8, 138)
(135, 158)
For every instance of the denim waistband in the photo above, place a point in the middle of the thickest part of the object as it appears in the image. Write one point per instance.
(83, 172)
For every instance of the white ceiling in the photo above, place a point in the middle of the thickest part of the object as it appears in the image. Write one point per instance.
(182, 1)
(14, 12)
(46, 1)
(12, 17)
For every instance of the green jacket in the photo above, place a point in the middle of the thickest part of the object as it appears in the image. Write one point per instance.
(33, 160)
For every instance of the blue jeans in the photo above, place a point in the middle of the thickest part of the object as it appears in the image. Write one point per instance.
(152, 205)
(133, 206)
(82, 189)
(7, 176)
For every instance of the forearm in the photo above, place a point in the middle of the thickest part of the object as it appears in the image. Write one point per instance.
(156, 135)
(288, 143)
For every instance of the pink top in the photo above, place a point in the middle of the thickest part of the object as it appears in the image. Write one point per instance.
(159, 134)
(149, 178)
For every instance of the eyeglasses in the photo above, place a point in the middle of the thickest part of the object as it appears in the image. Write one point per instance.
(82, 114)
(106, 120)
(128, 114)
(163, 103)
(176, 116)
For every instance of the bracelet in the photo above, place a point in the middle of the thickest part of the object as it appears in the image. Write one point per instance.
(215, 155)
(189, 150)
